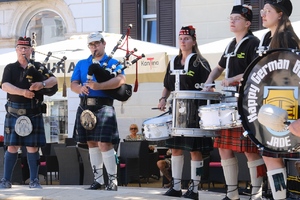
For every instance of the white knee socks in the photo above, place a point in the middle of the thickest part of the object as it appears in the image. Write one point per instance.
(277, 179)
(177, 167)
(195, 176)
(109, 159)
(256, 181)
(231, 170)
(97, 164)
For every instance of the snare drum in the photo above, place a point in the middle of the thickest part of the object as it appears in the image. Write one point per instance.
(219, 116)
(272, 78)
(157, 128)
(185, 112)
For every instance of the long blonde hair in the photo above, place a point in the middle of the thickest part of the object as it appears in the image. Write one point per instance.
(200, 59)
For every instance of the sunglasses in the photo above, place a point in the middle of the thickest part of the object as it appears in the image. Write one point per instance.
(133, 128)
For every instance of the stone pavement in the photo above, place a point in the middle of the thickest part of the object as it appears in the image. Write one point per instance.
(70, 192)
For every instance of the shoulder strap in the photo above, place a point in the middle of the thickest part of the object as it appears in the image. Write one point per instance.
(179, 72)
(261, 48)
(233, 54)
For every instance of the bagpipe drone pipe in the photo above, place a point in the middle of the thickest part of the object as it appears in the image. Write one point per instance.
(103, 73)
(37, 72)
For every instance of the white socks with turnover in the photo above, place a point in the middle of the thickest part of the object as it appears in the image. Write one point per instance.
(256, 180)
(177, 167)
(109, 159)
(195, 176)
(97, 164)
(277, 179)
(231, 171)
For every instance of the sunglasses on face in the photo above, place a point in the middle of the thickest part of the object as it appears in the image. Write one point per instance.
(133, 128)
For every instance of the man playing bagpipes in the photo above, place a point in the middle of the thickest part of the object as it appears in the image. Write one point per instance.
(96, 122)
(24, 125)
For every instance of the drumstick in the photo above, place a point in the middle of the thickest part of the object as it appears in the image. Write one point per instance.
(157, 108)
(202, 85)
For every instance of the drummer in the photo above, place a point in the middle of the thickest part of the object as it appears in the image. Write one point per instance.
(237, 56)
(275, 17)
(197, 71)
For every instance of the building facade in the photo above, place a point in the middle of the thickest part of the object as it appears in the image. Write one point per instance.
(156, 21)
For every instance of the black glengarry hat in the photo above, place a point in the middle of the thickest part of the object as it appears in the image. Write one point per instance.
(25, 41)
(284, 5)
(188, 30)
(243, 10)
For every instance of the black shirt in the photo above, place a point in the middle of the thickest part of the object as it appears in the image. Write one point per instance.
(16, 75)
(195, 76)
(291, 42)
(244, 55)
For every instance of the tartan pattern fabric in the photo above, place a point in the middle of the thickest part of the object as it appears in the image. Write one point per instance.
(233, 139)
(202, 144)
(36, 138)
(293, 184)
(106, 129)
(276, 154)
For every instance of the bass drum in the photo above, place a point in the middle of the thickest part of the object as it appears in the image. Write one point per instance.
(272, 78)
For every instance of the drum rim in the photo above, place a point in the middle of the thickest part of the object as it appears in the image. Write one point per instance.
(241, 97)
(163, 117)
(191, 94)
(208, 133)
(221, 105)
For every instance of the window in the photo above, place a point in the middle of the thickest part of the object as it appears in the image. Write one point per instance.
(48, 26)
(152, 20)
(149, 21)
(257, 5)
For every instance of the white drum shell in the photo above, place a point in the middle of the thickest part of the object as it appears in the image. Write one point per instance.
(157, 128)
(185, 111)
(219, 116)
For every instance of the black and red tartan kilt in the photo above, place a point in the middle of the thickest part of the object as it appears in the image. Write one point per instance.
(276, 154)
(235, 140)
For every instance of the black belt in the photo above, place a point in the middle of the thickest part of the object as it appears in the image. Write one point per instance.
(90, 101)
(22, 111)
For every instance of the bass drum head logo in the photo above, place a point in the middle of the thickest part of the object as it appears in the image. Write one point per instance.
(274, 79)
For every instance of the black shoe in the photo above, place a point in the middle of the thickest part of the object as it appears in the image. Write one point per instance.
(191, 195)
(227, 198)
(173, 193)
(111, 187)
(293, 196)
(96, 186)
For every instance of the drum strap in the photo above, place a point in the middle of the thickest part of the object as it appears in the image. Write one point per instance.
(261, 48)
(233, 54)
(183, 71)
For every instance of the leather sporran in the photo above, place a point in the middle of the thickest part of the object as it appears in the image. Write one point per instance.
(23, 126)
(88, 120)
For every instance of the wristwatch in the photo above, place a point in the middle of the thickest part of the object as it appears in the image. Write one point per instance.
(44, 84)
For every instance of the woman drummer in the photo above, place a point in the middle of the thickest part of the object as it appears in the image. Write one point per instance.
(197, 71)
(275, 17)
(238, 55)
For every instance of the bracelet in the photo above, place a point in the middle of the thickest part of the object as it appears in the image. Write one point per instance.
(165, 98)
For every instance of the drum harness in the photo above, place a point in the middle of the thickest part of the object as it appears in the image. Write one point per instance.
(183, 71)
(262, 49)
(229, 55)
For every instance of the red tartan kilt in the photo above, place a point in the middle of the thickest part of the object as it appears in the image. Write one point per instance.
(233, 139)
